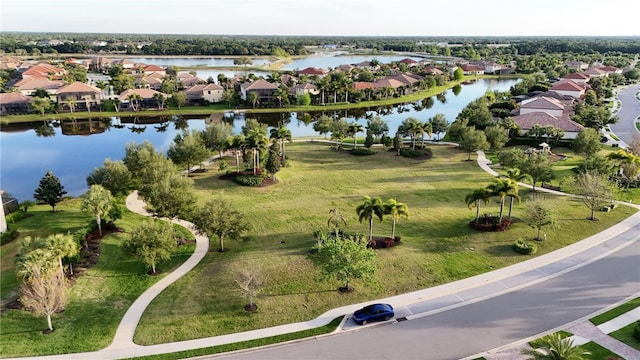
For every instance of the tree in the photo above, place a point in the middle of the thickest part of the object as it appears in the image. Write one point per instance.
(257, 141)
(370, 208)
(503, 188)
(97, 201)
(34, 258)
(629, 164)
(253, 98)
(50, 191)
(439, 124)
(113, 176)
(219, 218)
(179, 99)
(44, 293)
(62, 246)
(538, 167)
(134, 100)
(395, 209)
(594, 190)
(152, 241)
(511, 158)
(335, 220)
(473, 140)
(353, 130)
(345, 259)
(587, 142)
(377, 126)
(458, 74)
(272, 165)
(281, 134)
(26, 204)
(555, 347)
(497, 136)
(324, 125)
(516, 176)
(249, 279)
(539, 214)
(475, 198)
(188, 149)
(216, 136)
(40, 105)
(168, 193)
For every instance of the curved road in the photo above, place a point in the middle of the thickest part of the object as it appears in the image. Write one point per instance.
(625, 128)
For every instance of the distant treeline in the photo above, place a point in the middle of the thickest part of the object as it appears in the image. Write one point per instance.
(148, 44)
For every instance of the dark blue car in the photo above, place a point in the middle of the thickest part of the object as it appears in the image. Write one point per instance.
(374, 312)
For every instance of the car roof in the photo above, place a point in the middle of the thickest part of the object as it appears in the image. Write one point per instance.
(379, 306)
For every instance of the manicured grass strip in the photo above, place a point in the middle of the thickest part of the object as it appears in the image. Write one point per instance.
(538, 342)
(615, 137)
(598, 352)
(614, 313)
(625, 335)
(247, 344)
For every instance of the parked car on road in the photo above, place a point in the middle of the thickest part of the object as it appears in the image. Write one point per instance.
(373, 312)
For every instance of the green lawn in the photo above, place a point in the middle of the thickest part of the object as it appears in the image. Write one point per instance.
(614, 313)
(626, 335)
(97, 301)
(437, 245)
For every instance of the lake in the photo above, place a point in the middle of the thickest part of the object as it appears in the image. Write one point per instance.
(72, 154)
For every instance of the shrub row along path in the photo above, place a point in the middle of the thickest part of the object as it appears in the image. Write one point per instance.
(411, 306)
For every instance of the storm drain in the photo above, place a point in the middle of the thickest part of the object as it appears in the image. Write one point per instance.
(404, 318)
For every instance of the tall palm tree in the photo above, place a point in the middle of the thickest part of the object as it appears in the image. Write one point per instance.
(369, 208)
(134, 100)
(503, 188)
(426, 129)
(554, 347)
(71, 103)
(515, 175)
(353, 130)
(281, 134)
(237, 142)
(475, 198)
(97, 201)
(395, 209)
(254, 99)
(258, 142)
(336, 219)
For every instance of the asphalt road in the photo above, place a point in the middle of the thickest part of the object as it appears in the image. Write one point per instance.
(483, 325)
(625, 128)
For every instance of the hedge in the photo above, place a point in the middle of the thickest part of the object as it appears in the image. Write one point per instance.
(524, 247)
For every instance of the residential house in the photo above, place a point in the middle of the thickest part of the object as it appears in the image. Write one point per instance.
(155, 69)
(125, 63)
(595, 72)
(14, 103)
(187, 80)
(301, 89)
(569, 87)
(288, 80)
(345, 68)
(29, 85)
(98, 64)
(610, 69)
(432, 70)
(311, 71)
(9, 63)
(263, 88)
(528, 121)
(152, 81)
(549, 105)
(146, 99)
(80, 96)
(408, 79)
(409, 62)
(469, 69)
(43, 70)
(579, 77)
(200, 93)
(579, 65)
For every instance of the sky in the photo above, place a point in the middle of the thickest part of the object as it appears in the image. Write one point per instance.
(326, 17)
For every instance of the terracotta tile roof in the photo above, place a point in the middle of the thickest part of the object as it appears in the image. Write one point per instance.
(195, 89)
(78, 87)
(12, 98)
(567, 85)
(528, 121)
(213, 87)
(313, 71)
(259, 84)
(37, 83)
(360, 85)
(542, 102)
(144, 93)
(42, 70)
(407, 79)
(150, 68)
(471, 68)
(595, 72)
(608, 68)
(433, 70)
(408, 61)
(389, 82)
(577, 76)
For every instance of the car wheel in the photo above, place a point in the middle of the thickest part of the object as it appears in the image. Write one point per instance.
(386, 318)
(364, 322)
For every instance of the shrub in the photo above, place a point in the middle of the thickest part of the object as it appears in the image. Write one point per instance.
(249, 180)
(362, 152)
(15, 216)
(8, 236)
(523, 247)
(410, 153)
(636, 331)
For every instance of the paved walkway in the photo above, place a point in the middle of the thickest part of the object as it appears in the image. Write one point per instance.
(411, 305)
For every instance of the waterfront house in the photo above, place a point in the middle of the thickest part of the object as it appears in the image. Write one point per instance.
(263, 88)
(79, 96)
(204, 93)
(14, 103)
(528, 121)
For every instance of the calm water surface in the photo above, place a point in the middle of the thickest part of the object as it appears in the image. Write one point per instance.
(25, 157)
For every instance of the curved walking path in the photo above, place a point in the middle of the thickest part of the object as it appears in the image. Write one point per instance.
(416, 304)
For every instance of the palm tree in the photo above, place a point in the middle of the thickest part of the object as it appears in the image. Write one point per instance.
(353, 130)
(257, 141)
(71, 103)
(97, 201)
(395, 209)
(475, 198)
(281, 134)
(254, 99)
(237, 142)
(501, 188)
(554, 347)
(338, 136)
(426, 129)
(134, 100)
(336, 219)
(62, 246)
(369, 208)
(515, 175)
(160, 99)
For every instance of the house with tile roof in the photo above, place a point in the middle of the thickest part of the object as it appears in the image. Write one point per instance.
(595, 72)
(549, 105)
(263, 88)
(301, 89)
(528, 121)
(580, 65)
(568, 87)
(579, 77)
(14, 103)
(147, 99)
(79, 96)
(469, 69)
(155, 69)
(187, 80)
(408, 79)
(151, 81)
(610, 69)
(29, 85)
(201, 93)
(43, 70)
(409, 62)
(99, 64)
(313, 71)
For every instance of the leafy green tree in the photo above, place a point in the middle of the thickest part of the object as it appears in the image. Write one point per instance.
(370, 208)
(324, 125)
(587, 142)
(304, 99)
(97, 201)
(594, 190)
(475, 198)
(219, 218)
(345, 259)
(168, 193)
(395, 209)
(501, 188)
(272, 165)
(458, 74)
(538, 167)
(152, 241)
(179, 99)
(555, 347)
(113, 176)
(34, 258)
(139, 158)
(26, 204)
(511, 158)
(596, 164)
(456, 130)
(188, 149)
(497, 136)
(629, 164)
(40, 105)
(472, 141)
(50, 191)
(595, 117)
(439, 124)
(539, 214)
(516, 176)
(257, 142)
(377, 126)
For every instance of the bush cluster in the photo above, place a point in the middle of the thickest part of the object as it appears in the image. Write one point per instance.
(249, 180)
(491, 223)
(362, 152)
(523, 247)
(410, 153)
(8, 236)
